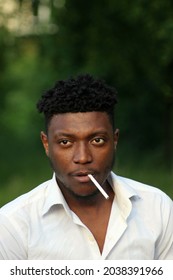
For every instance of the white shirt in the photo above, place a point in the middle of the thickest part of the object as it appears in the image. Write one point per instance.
(40, 225)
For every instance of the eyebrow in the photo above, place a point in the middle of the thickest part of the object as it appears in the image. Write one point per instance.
(68, 134)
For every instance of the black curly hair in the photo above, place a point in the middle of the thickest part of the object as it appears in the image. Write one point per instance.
(80, 94)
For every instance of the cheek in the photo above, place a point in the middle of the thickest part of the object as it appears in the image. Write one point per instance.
(105, 158)
(59, 159)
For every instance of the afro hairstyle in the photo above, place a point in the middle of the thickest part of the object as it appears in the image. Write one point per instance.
(80, 94)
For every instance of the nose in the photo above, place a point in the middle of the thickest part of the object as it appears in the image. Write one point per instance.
(82, 154)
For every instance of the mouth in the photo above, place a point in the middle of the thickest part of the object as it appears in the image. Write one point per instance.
(82, 176)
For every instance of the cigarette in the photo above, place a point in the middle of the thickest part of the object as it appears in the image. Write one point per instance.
(98, 186)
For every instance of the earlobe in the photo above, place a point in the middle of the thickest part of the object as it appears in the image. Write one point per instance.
(45, 143)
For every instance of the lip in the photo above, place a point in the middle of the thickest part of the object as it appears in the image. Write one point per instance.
(82, 176)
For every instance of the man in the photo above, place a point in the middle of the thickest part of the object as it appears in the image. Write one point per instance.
(67, 217)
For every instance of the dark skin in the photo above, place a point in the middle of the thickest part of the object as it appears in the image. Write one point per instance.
(78, 144)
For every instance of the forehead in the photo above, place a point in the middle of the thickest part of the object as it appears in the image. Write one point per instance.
(80, 122)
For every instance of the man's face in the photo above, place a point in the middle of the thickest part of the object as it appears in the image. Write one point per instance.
(78, 144)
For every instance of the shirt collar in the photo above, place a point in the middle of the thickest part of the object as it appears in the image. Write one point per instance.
(54, 196)
(124, 193)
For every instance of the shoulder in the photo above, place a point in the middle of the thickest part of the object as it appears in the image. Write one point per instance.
(144, 191)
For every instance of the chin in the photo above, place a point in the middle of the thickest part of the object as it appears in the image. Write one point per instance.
(85, 196)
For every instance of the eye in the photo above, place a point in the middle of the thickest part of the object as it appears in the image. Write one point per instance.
(98, 141)
(65, 142)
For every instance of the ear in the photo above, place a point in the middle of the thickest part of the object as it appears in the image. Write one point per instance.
(116, 136)
(45, 143)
